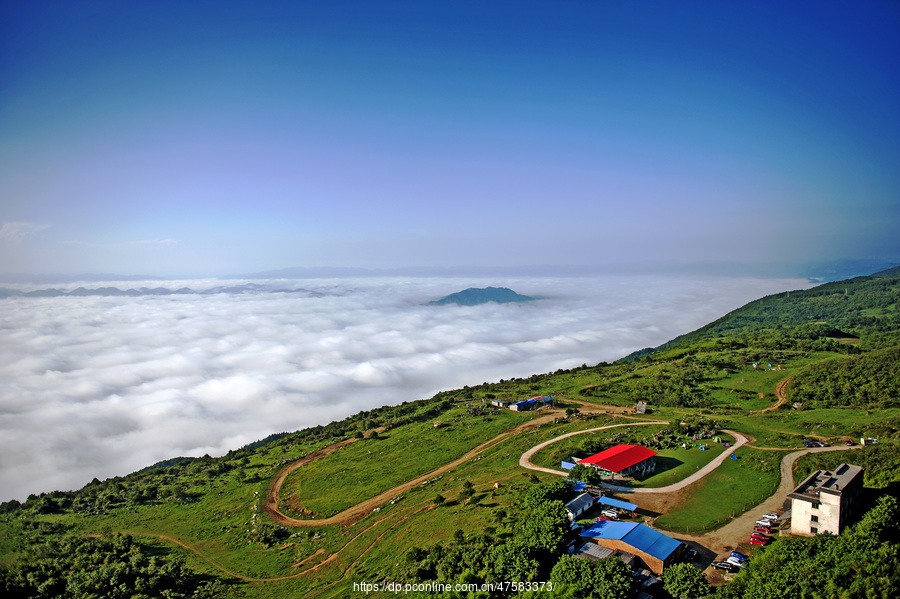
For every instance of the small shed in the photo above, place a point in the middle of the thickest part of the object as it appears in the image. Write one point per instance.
(569, 463)
(579, 505)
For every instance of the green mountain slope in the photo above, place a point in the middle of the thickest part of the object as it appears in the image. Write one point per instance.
(859, 306)
(432, 490)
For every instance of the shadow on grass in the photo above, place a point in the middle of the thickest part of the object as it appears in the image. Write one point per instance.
(650, 513)
(664, 464)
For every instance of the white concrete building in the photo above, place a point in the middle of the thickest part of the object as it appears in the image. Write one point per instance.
(824, 501)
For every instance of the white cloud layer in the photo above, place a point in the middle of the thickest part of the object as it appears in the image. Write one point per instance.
(17, 231)
(103, 386)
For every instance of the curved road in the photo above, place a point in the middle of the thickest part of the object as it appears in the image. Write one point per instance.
(270, 505)
(525, 460)
(723, 539)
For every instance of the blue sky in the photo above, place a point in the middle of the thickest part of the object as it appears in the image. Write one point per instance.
(203, 138)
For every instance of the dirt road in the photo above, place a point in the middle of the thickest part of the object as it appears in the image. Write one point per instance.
(270, 505)
(780, 392)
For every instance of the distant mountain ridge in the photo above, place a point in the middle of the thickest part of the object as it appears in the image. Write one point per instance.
(143, 291)
(474, 296)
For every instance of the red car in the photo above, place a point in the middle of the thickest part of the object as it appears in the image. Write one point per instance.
(759, 541)
(601, 518)
(761, 530)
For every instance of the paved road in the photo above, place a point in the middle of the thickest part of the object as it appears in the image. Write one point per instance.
(525, 460)
(725, 538)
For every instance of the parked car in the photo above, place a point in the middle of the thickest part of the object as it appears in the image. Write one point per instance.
(739, 555)
(611, 514)
(689, 555)
(601, 519)
(736, 562)
(850, 443)
(759, 535)
(771, 516)
(762, 530)
(764, 523)
(760, 540)
(724, 566)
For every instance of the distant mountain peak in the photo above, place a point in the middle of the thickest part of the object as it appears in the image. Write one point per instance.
(474, 296)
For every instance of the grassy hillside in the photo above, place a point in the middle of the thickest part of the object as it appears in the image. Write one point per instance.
(834, 349)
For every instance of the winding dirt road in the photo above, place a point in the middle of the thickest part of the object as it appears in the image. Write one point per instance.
(779, 393)
(352, 514)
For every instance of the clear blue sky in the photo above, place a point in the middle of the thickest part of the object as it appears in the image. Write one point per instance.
(187, 137)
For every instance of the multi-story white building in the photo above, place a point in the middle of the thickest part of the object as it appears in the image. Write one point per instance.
(824, 501)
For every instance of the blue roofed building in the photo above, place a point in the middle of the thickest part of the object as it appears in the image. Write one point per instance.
(531, 403)
(654, 548)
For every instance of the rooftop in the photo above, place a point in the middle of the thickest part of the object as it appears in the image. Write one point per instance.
(827, 481)
(620, 457)
(580, 503)
(639, 536)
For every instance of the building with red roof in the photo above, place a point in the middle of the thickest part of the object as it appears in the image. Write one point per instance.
(624, 460)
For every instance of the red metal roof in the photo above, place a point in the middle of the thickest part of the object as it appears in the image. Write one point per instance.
(620, 457)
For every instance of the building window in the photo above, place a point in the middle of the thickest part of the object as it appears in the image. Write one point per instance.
(815, 506)
(813, 531)
(814, 518)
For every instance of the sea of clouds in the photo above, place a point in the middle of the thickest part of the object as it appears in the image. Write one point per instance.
(103, 386)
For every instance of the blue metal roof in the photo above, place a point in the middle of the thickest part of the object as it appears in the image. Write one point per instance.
(619, 504)
(639, 536)
(608, 529)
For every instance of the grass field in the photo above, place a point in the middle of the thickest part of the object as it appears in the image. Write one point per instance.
(673, 465)
(367, 468)
(731, 489)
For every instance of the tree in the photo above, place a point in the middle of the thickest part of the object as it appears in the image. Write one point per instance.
(611, 578)
(439, 499)
(578, 578)
(586, 474)
(684, 581)
(546, 527)
(539, 493)
(572, 575)
(468, 489)
(511, 561)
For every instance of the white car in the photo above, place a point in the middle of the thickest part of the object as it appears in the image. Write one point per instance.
(771, 516)
(611, 514)
(736, 562)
